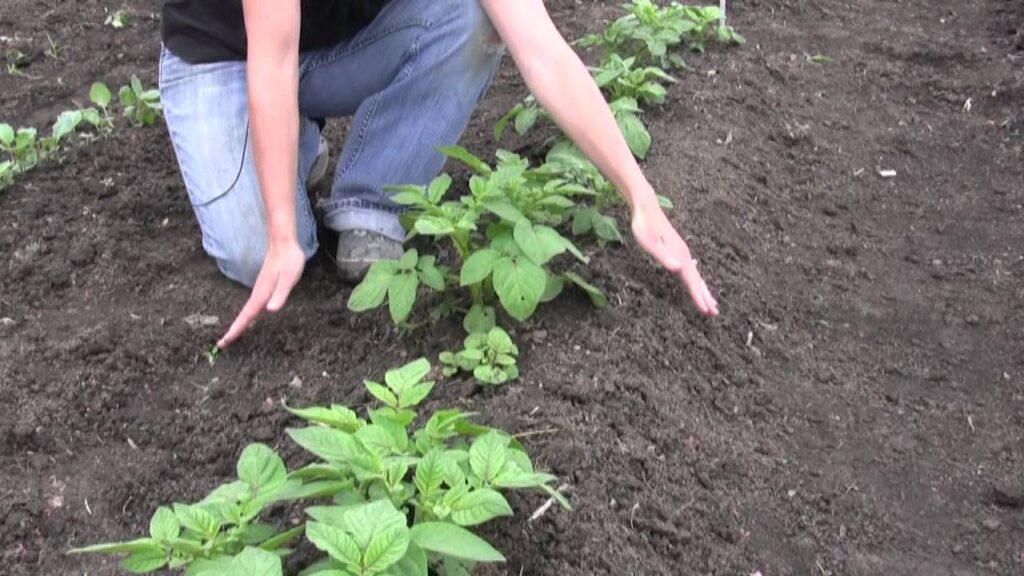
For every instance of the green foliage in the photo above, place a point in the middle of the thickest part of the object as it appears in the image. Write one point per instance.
(490, 356)
(381, 499)
(504, 233)
(398, 282)
(649, 32)
(622, 78)
(141, 106)
(447, 476)
(216, 535)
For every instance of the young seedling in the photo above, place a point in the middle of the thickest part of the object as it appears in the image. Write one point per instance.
(211, 354)
(489, 356)
(141, 106)
(117, 20)
(20, 145)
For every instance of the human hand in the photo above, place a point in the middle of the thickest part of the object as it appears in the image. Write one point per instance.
(659, 238)
(281, 271)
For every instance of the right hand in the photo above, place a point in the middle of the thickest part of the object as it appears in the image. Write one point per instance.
(281, 271)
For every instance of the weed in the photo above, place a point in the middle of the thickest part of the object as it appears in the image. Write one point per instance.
(211, 354)
(54, 50)
(6, 174)
(622, 78)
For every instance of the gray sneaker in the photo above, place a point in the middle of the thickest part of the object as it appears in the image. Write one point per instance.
(319, 169)
(359, 249)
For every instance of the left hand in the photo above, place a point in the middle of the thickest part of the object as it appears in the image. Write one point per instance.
(659, 238)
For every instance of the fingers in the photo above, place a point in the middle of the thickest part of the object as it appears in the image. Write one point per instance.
(261, 293)
(285, 283)
(699, 292)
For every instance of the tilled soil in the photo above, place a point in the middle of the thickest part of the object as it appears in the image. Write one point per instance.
(857, 410)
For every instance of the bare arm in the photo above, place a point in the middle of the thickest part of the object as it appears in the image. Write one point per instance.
(272, 28)
(563, 86)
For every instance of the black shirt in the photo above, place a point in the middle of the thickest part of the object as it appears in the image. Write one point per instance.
(203, 31)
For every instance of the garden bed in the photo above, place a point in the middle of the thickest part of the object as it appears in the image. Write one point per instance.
(857, 409)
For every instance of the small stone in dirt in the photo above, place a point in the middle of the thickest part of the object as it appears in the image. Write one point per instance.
(296, 382)
(7, 321)
(972, 319)
(991, 524)
(82, 254)
(1009, 493)
(539, 336)
(200, 320)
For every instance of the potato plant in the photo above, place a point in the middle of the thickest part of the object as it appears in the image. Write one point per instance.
(622, 78)
(413, 496)
(490, 356)
(206, 536)
(503, 234)
(381, 499)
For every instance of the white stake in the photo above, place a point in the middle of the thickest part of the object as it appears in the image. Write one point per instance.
(722, 5)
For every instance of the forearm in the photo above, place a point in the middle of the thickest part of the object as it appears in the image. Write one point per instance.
(563, 86)
(274, 126)
(273, 87)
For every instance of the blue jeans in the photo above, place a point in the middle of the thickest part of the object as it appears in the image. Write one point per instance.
(411, 78)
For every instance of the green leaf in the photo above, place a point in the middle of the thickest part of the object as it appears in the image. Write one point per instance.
(479, 319)
(410, 196)
(635, 133)
(520, 284)
(526, 119)
(433, 226)
(402, 296)
(327, 443)
(502, 209)
(399, 379)
(100, 94)
(606, 228)
(6, 134)
(335, 542)
(500, 342)
(487, 456)
(430, 472)
(371, 291)
(408, 260)
(527, 480)
(414, 563)
(140, 545)
(414, 394)
(386, 548)
(164, 525)
(338, 417)
(144, 561)
(197, 520)
(262, 469)
(455, 541)
(502, 124)
(583, 221)
(553, 289)
(256, 562)
(210, 567)
(283, 539)
(462, 155)
(438, 188)
(665, 202)
(381, 393)
(478, 266)
(368, 520)
(430, 275)
(66, 124)
(296, 490)
(479, 506)
(597, 298)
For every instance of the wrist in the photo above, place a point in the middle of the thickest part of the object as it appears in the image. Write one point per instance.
(642, 198)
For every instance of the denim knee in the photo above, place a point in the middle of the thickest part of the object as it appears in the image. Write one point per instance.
(241, 262)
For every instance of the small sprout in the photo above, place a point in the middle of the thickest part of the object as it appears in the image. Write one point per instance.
(818, 58)
(54, 50)
(489, 356)
(117, 20)
(141, 106)
(211, 354)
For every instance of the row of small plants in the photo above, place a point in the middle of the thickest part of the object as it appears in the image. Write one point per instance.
(511, 239)
(24, 149)
(379, 496)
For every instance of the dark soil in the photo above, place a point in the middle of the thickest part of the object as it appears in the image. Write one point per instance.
(857, 410)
